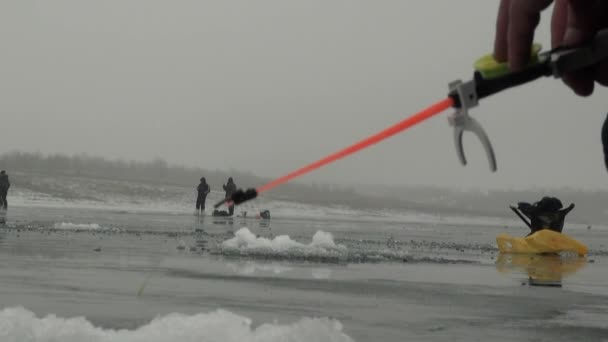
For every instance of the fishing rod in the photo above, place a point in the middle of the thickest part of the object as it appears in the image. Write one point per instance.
(490, 77)
(241, 196)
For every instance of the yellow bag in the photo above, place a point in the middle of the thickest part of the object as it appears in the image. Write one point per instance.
(543, 241)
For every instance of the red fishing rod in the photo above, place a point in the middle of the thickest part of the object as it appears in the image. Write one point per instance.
(241, 196)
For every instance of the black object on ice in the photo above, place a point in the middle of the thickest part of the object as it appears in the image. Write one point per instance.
(221, 213)
(239, 197)
(265, 214)
(544, 214)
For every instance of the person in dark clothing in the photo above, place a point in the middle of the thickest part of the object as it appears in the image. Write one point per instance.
(4, 185)
(221, 213)
(203, 189)
(265, 214)
(230, 189)
(605, 141)
(545, 214)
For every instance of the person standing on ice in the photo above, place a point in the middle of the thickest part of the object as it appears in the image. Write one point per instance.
(230, 189)
(203, 189)
(4, 185)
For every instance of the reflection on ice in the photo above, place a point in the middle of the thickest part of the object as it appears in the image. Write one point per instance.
(542, 270)
(321, 273)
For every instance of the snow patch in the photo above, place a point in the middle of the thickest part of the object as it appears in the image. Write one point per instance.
(21, 325)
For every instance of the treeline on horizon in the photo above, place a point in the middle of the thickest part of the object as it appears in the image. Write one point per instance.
(159, 171)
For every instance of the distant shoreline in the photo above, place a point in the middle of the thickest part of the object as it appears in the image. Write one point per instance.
(28, 169)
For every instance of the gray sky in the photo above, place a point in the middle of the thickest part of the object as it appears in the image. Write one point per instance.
(269, 85)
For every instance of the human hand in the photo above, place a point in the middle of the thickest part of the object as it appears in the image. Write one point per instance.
(573, 22)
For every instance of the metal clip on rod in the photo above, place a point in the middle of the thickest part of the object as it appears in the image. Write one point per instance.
(461, 121)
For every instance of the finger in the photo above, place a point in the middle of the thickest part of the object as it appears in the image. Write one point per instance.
(601, 11)
(580, 27)
(502, 26)
(582, 81)
(559, 20)
(601, 70)
(524, 16)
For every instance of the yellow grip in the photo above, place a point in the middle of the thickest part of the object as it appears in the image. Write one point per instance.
(489, 68)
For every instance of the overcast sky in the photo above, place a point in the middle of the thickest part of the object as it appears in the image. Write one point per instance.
(269, 85)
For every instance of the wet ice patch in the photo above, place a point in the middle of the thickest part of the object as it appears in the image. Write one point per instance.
(77, 226)
(246, 243)
(21, 325)
(82, 227)
(321, 273)
(590, 317)
(252, 268)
